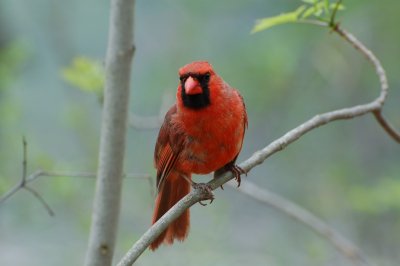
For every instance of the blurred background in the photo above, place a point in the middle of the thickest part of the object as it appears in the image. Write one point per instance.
(347, 172)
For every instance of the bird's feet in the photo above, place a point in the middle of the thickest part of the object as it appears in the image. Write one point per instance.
(237, 171)
(206, 191)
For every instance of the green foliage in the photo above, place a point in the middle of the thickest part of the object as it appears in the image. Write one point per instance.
(86, 74)
(380, 198)
(11, 58)
(318, 12)
(283, 18)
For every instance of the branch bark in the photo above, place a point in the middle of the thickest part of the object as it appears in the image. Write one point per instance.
(260, 156)
(107, 197)
(343, 245)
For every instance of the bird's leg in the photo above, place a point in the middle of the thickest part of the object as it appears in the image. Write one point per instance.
(232, 167)
(237, 171)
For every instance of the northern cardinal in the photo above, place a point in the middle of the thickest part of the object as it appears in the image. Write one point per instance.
(202, 133)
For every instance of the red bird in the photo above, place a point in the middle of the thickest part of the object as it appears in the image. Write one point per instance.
(203, 132)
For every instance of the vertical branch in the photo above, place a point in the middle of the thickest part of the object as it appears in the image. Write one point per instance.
(24, 160)
(107, 197)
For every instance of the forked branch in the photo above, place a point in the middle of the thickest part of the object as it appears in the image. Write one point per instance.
(23, 183)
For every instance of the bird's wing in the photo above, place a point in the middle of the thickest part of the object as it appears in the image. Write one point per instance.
(166, 153)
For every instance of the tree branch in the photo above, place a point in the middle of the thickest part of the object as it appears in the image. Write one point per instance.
(260, 156)
(386, 126)
(156, 229)
(107, 198)
(24, 181)
(11, 192)
(293, 210)
(257, 158)
(379, 70)
(24, 159)
(40, 199)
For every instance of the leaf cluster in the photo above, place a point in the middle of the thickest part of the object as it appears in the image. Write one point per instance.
(320, 12)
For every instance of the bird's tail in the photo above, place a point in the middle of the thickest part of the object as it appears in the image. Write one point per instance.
(174, 189)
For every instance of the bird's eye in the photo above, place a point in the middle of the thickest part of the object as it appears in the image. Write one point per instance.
(206, 76)
(182, 78)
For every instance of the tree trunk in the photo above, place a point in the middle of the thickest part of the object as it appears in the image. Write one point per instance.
(107, 196)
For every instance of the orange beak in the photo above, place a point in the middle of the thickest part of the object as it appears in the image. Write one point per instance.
(192, 86)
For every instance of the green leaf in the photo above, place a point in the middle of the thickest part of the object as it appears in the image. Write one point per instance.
(320, 10)
(86, 74)
(333, 6)
(283, 18)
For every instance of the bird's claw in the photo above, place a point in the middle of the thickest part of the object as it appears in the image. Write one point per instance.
(206, 191)
(204, 204)
(237, 171)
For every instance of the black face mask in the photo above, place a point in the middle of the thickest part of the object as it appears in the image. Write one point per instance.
(196, 101)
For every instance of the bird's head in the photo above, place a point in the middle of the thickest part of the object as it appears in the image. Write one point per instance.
(196, 79)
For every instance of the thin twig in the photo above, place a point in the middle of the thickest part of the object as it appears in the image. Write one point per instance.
(295, 211)
(11, 192)
(41, 200)
(372, 59)
(24, 160)
(386, 126)
(333, 17)
(25, 180)
(380, 71)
